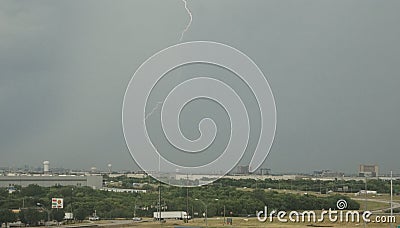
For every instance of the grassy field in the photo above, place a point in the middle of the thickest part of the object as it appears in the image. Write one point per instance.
(375, 202)
(253, 222)
(377, 197)
(372, 205)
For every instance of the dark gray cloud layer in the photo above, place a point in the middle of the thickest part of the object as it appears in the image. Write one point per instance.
(333, 67)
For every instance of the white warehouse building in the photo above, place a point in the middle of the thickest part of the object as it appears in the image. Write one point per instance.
(93, 181)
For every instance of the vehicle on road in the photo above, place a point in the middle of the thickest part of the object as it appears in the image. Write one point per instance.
(68, 216)
(181, 215)
(94, 218)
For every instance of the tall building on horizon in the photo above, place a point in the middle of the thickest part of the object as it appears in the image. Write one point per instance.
(368, 170)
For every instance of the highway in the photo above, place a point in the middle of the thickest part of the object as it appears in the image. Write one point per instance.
(395, 204)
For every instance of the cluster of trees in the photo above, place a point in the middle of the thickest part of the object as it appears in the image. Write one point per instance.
(381, 186)
(31, 216)
(83, 201)
(337, 185)
(7, 216)
(243, 202)
(224, 193)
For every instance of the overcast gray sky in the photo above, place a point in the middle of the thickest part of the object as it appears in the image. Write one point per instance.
(333, 67)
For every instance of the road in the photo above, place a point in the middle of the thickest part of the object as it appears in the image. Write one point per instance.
(395, 204)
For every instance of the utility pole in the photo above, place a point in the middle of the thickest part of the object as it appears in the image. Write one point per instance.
(136, 207)
(206, 216)
(187, 204)
(366, 192)
(72, 200)
(391, 196)
(224, 215)
(159, 202)
(187, 198)
(192, 213)
(320, 189)
(41, 206)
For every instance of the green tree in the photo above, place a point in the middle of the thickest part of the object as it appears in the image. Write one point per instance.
(3, 193)
(31, 216)
(7, 216)
(58, 215)
(33, 190)
(80, 214)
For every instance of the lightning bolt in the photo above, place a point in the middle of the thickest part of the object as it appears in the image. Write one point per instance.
(157, 106)
(190, 20)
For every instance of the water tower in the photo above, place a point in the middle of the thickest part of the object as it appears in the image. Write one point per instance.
(46, 167)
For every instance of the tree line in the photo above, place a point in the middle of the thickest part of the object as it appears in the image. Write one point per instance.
(83, 201)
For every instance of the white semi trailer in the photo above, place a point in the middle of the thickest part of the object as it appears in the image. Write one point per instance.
(68, 216)
(171, 215)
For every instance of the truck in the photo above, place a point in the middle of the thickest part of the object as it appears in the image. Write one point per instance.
(68, 216)
(94, 217)
(171, 215)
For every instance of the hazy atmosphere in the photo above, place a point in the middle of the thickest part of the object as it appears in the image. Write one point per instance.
(333, 67)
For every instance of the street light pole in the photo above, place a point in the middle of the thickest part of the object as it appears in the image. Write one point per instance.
(72, 201)
(205, 207)
(206, 210)
(218, 209)
(224, 215)
(136, 205)
(159, 202)
(206, 216)
(134, 210)
(192, 213)
(41, 206)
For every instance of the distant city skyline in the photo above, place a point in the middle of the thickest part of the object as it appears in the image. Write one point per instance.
(236, 170)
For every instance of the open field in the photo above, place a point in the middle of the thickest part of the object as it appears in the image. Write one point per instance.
(253, 222)
(372, 205)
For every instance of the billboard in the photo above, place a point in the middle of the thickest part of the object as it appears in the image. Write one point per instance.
(57, 203)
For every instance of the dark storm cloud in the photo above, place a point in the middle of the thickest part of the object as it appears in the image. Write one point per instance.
(332, 65)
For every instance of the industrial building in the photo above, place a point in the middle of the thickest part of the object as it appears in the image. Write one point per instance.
(368, 171)
(242, 170)
(93, 181)
(328, 173)
(125, 190)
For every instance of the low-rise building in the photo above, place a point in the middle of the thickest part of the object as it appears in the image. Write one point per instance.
(368, 170)
(23, 180)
